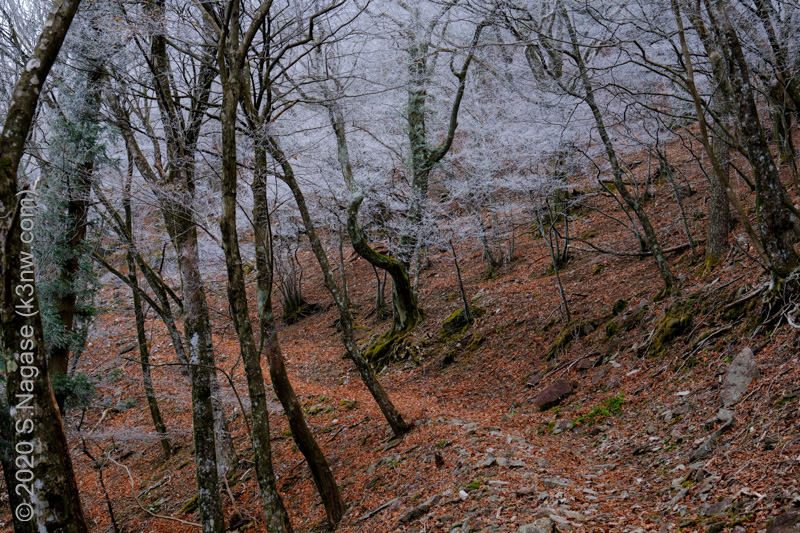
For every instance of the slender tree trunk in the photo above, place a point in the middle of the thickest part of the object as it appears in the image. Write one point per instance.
(631, 200)
(141, 336)
(277, 519)
(720, 172)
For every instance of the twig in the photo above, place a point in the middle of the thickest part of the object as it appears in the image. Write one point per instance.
(145, 509)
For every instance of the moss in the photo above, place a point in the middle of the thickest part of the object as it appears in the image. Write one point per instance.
(676, 322)
(457, 323)
(476, 342)
(608, 407)
(191, 506)
(618, 307)
(784, 400)
(378, 349)
(611, 329)
(349, 404)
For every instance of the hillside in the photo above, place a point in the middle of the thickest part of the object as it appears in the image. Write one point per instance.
(641, 444)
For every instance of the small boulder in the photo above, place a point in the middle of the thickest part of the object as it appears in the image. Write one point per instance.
(553, 394)
(741, 372)
(562, 426)
(587, 362)
(785, 523)
(541, 525)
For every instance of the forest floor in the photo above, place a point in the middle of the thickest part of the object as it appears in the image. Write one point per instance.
(627, 451)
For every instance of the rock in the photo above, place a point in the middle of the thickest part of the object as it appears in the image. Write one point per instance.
(463, 495)
(573, 515)
(599, 375)
(785, 523)
(707, 447)
(391, 504)
(723, 417)
(533, 380)
(420, 510)
(485, 463)
(128, 348)
(553, 394)
(521, 493)
(529, 528)
(561, 426)
(718, 509)
(516, 463)
(586, 363)
(715, 527)
(556, 483)
(741, 372)
(541, 525)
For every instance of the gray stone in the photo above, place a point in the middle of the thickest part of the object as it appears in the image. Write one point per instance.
(561, 426)
(785, 523)
(741, 372)
(541, 525)
(555, 483)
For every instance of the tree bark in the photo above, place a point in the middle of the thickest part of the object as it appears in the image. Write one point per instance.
(230, 64)
(54, 502)
(335, 506)
(776, 223)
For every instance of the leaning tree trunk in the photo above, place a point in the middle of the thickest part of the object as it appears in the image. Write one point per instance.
(52, 502)
(318, 465)
(406, 311)
(390, 412)
(630, 199)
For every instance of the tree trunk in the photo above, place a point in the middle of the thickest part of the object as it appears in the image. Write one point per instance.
(77, 220)
(141, 336)
(406, 310)
(652, 240)
(719, 213)
(277, 519)
(390, 412)
(53, 503)
(775, 222)
(324, 481)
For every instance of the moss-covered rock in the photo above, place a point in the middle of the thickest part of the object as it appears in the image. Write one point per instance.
(457, 323)
(611, 329)
(676, 322)
(618, 307)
